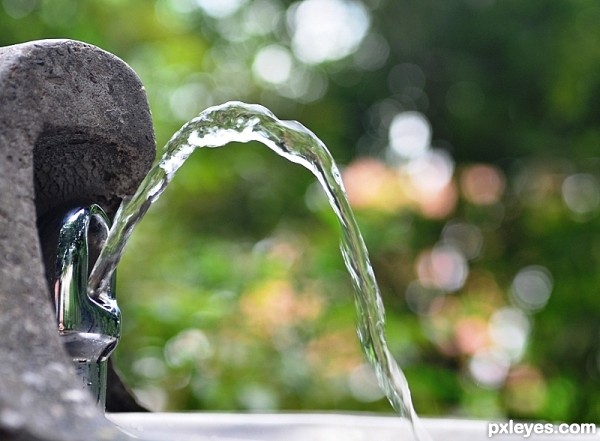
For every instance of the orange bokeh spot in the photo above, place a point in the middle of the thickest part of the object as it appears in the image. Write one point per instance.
(371, 184)
(482, 184)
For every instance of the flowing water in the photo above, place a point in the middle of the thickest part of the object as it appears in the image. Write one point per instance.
(238, 122)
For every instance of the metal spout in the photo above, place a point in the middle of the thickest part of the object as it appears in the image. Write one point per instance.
(89, 327)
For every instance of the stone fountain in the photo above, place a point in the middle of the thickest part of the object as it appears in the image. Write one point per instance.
(75, 130)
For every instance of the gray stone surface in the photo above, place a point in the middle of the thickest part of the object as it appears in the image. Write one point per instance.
(74, 128)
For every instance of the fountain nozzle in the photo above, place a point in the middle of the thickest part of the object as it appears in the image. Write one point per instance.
(89, 327)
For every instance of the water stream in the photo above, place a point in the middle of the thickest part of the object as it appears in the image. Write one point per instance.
(238, 122)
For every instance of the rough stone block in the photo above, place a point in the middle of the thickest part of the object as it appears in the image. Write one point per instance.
(75, 128)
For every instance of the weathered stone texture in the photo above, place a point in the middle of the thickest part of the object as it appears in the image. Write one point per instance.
(75, 128)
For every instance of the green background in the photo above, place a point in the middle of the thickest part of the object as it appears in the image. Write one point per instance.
(233, 291)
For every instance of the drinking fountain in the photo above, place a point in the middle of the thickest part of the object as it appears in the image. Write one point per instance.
(76, 138)
(75, 133)
(89, 328)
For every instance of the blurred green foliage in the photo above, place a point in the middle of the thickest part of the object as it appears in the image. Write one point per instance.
(485, 242)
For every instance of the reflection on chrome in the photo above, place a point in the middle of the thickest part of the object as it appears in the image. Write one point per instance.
(89, 328)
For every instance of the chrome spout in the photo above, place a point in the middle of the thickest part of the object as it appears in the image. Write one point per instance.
(89, 327)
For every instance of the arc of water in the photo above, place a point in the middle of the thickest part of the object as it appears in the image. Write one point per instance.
(239, 122)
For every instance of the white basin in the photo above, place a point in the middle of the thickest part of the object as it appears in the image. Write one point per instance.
(307, 427)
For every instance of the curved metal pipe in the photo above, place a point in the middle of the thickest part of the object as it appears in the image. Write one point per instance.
(89, 328)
